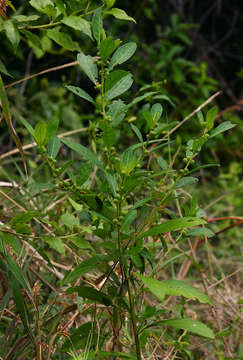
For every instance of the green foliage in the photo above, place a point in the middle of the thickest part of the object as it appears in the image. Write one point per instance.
(107, 218)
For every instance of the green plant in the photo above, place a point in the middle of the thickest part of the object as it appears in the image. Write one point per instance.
(120, 203)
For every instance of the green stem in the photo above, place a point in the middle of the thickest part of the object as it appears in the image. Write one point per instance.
(103, 91)
(133, 318)
(39, 26)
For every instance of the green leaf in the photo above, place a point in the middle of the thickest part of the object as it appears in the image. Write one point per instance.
(84, 173)
(120, 87)
(53, 147)
(27, 125)
(122, 54)
(149, 118)
(3, 69)
(201, 231)
(210, 117)
(141, 98)
(117, 111)
(43, 6)
(55, 243)
(80, 242)
(164, 97)
(156, 112)
(222, 128)
(78, 23)
(25, 19)
(90, 293)
(19, 301)
(112, 182)
(51, 129)
(110, 355)
(185, 181)
(75, 205)
(193, 326)
(69, 220)
(107, 46)
(172, 225)
(84, 152)
(23, 218)
(137, 132)
(109, 134)
(120, 14)
(86, 266)
(128, 219)
(97, 24)
(200, 118)
(88, 66)
(81, 93)
(61, 6)
(34, 42)
(162, 163)
(40, 133)
(12, 33)
(62, 39)
(174, 287)
(17, 273)
(141, 203)
(114, 77)
(128, 162)
(109, 3)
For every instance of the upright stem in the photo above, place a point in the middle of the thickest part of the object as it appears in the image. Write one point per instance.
(133, 318)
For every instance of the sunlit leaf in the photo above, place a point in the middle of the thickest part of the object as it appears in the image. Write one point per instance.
(174, 287)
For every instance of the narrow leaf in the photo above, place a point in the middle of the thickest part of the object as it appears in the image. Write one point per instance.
(122, 54)
(62, 39)
(128, 219)
(120, 87)
(3, 69)
(97, 24)
(40, 133)
(55, 243)
(201, 231)
(193, 326)
(137, 132)
(120, 14)
(107, 46)
(78, 23)
(171, 225)
(113, 78)
(54, 147)
(174, 287)
(88, 66)
(156, 111)
(80, 92)
(27, 125)
(210, 117)
(17, 273)
(12, 33)
(90, 293)
(84, 152)
(86, 266)
(222, 128)
(185, 181)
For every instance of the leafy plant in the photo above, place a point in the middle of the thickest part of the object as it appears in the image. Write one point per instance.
(106, 213)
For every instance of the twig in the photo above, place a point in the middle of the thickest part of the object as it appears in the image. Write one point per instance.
(55, 68)
(193, 113)
(29, 146)
(224, 278)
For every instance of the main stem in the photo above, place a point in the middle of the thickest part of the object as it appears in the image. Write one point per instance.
(133, 317)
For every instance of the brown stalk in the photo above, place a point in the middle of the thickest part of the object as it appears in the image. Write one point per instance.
(3, 8)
